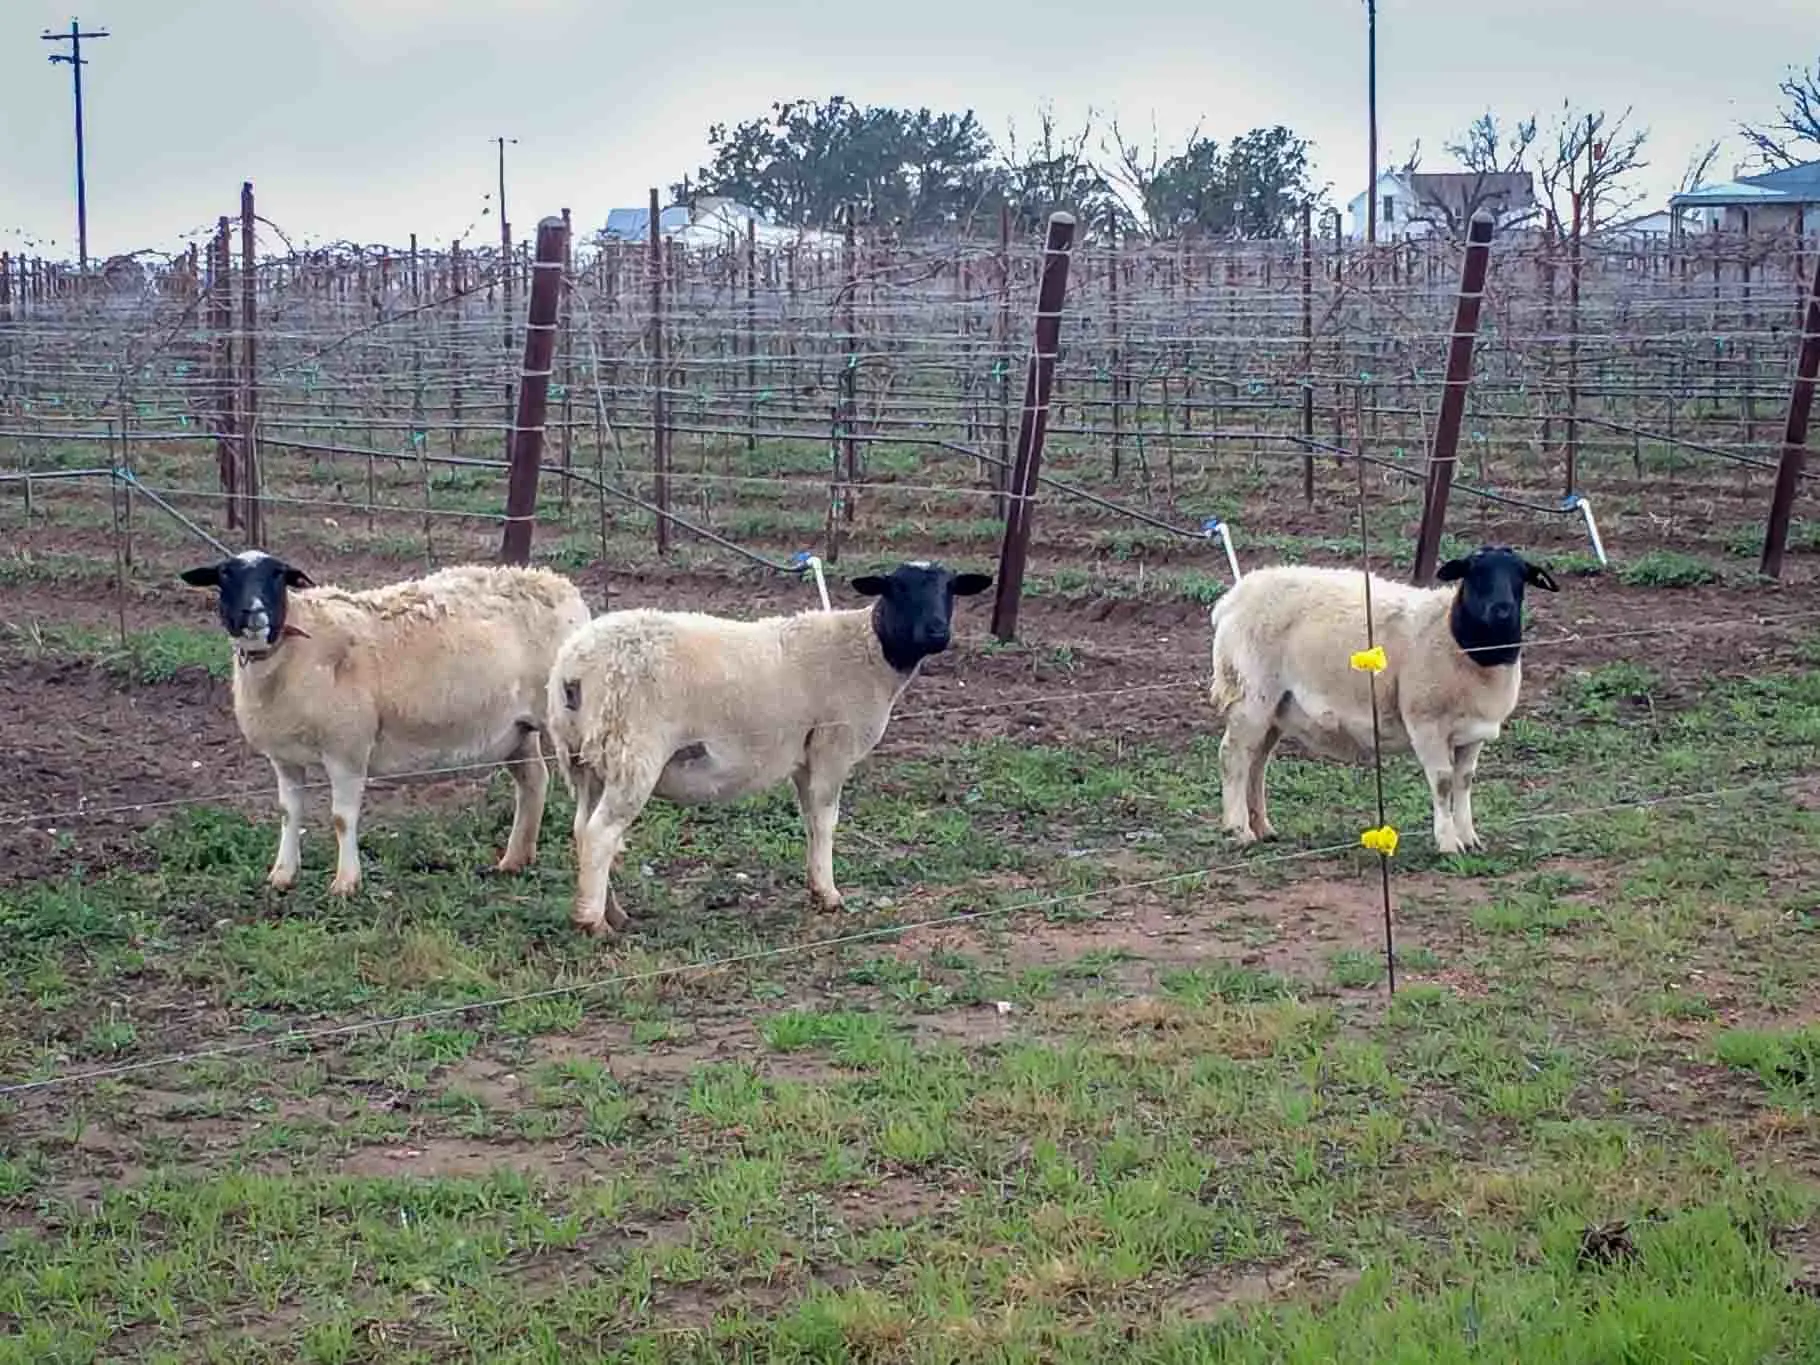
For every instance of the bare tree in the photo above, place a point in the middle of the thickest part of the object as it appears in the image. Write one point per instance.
(1139, 171)
(1488, 153)
(1587, 169)
(1794, 138)
(1056, 171)
(1699, 167)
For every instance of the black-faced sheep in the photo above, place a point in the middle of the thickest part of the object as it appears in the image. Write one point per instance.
(441, 671)
(700, 710)
(1282, 645)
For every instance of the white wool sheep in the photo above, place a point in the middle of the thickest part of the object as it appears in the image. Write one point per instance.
(700, 710)
(1282, 646)
(442, 671)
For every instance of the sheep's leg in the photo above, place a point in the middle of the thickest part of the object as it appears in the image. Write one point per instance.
(530, 788)
(290, 833)
(1465, 766)
(818, 791)
(1241, 771)
(587, 793)
(1435, 755)
(1254, 789)
(346, 782)
(600, 834)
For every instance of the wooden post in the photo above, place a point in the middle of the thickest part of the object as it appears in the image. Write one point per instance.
(1113, 360)
(1001, 471)
(1443, 453)
(568, 352)
(752, 334)
(849, 388)
(1308, 352)
(1794, 433)
(252, 510)
(221, 377)
(1038, 381)
(534, 391)
(660, 435)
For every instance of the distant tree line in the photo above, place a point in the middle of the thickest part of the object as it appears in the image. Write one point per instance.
(921, 172)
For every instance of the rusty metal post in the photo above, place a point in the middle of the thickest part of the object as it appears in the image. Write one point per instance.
(1113, 361)
(1443, 453)
(849, 389)
(1308, 352)
(1001, 337)
(252, 510)
(660, 435)
(567, 327)
(220, 316)
(752, 334)
(1794, 434)
(1039, 379)
(534, 391)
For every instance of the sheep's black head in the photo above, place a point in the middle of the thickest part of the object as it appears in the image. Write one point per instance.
(1487, 618)
(915, 606)
(251, 590)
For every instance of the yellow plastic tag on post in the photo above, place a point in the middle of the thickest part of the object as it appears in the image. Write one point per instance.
(1381, 840)
(1370, 660)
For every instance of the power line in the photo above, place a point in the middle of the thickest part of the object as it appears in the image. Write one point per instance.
(74, 57)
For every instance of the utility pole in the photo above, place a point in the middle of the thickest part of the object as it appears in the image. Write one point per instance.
(1371, 115)
(505, 279)
(74, 57)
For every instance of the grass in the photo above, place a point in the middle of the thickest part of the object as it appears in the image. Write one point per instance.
(1104, 1116)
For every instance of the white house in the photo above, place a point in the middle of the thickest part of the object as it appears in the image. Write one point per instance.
(1420, 203)
(712, 221)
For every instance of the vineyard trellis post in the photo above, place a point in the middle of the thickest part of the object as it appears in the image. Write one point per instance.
(1443, 453)
(566, 326)
(1308, 352)
(534, 390)
(660, 435)
(221, 385)
(1794, 433)
(252, 509)
(1038, 381)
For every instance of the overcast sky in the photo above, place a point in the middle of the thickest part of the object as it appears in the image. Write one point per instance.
(371, 119)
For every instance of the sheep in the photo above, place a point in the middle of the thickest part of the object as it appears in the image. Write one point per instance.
(444, 670)
(1282, 645)
(703, 710)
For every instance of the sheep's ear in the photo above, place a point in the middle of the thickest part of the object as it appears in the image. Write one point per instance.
(870, 585)
(970, 584)
(205, 576)
(297, 578)
(1452, 569)
(1538, 577)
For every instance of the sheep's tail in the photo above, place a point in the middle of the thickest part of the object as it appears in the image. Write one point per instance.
(1223, 689)
(564, 746)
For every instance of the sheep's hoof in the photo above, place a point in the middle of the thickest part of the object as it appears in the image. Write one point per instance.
(344, 886)
(280, 881)
(1242, 834)
(510, 864)
(1264, 830)
(596, 928)
(828, 903)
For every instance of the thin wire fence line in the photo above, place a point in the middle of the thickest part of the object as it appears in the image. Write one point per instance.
(85, 812)
(304, 1036)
